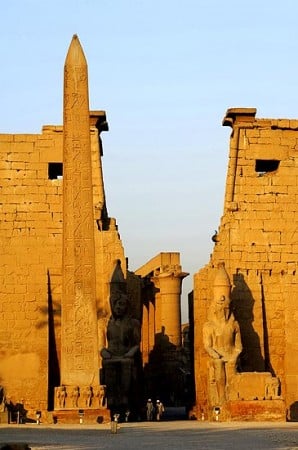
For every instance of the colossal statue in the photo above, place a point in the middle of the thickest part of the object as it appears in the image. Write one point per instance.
(120, 359)
(221, 339)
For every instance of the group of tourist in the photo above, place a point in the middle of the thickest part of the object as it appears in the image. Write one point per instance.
(154, 412)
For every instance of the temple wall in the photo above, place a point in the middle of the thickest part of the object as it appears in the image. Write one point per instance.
(257, 240)
(31, 261)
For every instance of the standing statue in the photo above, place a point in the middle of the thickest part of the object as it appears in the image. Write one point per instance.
(222, 340)
(75, 396)
(272, 388)
(61, 396)
(121, 357)
(88, 395)
(100, 395)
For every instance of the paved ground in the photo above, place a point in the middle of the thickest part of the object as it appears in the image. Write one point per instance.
(160, 435)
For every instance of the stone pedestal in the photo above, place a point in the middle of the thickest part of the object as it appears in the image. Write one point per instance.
(80, 404)
(254, 386)
(254, 410)
(252, 396)
(87, 416)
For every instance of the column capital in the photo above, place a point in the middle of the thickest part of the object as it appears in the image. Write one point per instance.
(169, 280)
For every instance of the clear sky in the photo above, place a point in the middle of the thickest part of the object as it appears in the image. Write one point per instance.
(165, 72)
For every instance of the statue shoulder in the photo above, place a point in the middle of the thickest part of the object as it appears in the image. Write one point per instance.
(132, 321)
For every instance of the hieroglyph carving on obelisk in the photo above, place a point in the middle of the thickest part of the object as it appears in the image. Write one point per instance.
(79, 348)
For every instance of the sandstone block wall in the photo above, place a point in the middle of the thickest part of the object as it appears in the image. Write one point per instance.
(30, 229)
(257, 239)
(31, 261)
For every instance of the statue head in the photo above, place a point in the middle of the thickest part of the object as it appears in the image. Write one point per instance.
(119, 304)
(221, 303)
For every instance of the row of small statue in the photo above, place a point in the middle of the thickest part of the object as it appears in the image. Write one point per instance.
(74, 397)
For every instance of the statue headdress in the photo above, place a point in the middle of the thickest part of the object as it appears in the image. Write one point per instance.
(118, 282)
(221, 284)
(118, 285)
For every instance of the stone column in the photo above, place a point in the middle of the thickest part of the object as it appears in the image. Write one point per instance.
(79, 348)
(145, 334)
(152, 325)
(169, 284)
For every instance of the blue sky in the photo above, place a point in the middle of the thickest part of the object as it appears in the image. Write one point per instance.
(165, 72)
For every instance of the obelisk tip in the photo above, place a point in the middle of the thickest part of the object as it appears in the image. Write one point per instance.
(75, 54)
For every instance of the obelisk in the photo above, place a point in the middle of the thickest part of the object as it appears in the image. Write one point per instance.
(79, 349)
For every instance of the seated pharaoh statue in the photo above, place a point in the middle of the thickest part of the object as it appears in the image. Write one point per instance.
(222, 340)
(121, 358)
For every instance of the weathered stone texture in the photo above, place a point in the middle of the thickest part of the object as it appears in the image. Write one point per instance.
(79, 343)
(257, 240)
(31, 259)
(28, 250)
(44, 269)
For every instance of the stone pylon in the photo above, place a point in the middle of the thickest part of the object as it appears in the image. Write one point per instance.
(79, 346)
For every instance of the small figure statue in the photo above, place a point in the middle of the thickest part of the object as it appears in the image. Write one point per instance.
(100, 394)
(61, 396)
(272, 388)
(221, 338)
(88, 394)
(75, 396)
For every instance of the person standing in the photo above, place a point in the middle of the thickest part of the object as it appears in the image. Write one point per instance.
(149, 409)
(159, 409)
